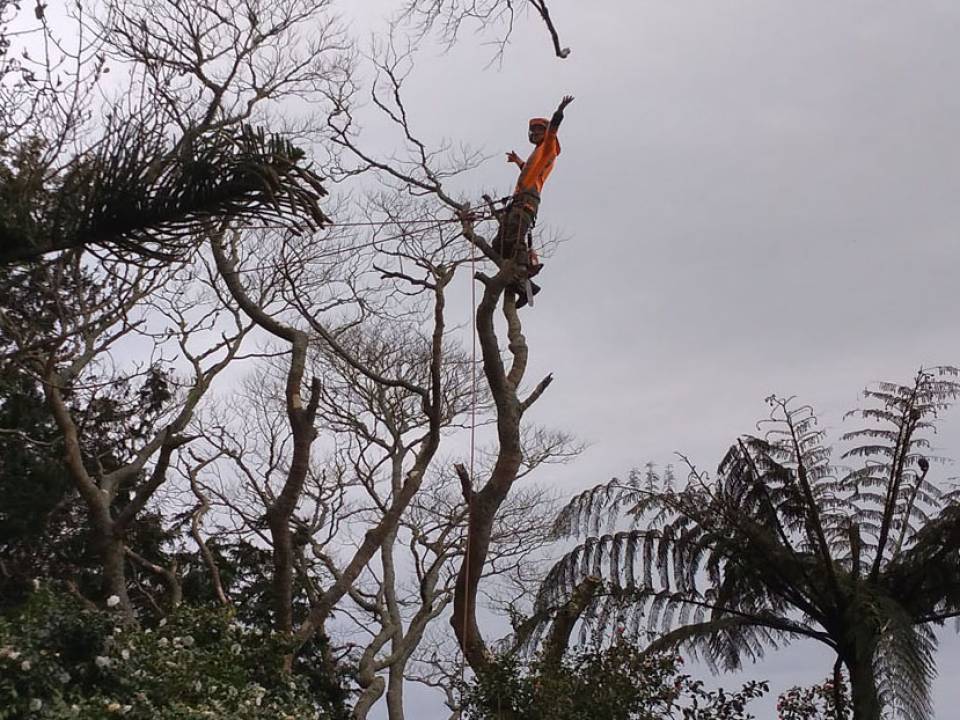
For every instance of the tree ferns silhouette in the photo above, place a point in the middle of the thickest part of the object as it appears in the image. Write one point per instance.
(783, 544)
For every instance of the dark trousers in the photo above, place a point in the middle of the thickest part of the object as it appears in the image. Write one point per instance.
(517, 221)
(511, 239)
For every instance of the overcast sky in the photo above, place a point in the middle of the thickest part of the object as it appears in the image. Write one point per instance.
(760, 196)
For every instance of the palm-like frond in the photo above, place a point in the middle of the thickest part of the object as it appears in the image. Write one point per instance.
(904, 663)
(135, 193)
(781, 544)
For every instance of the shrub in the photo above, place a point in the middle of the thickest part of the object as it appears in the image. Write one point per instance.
(60, 659)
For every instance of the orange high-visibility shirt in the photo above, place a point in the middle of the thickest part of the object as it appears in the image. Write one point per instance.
(539, 164)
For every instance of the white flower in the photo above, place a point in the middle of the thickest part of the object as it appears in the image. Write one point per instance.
(101, 662)
(36, 584)
(36, 704)
(162, 622)
(75, 709)
(235, 648)
(198, 686)
(163, 642)
(125, 709)
(125, 654)
(25, 665)
(113, 707)
(64, 677)
(188, 641)
(113, 601)
(8, 652)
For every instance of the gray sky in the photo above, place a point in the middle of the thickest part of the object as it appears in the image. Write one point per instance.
(760, 197)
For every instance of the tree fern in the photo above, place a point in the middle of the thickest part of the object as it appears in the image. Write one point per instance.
(783, 544)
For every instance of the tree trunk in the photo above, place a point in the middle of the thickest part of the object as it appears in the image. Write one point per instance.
(863, 686)
(484, 504)
(368, 697)
(114, 581)
(282, 581)
(395, 692)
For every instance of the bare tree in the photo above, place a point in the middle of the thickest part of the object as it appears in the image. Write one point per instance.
(381, 432)
(432, 541)
(178, 147)
(300, 416)
(384, 427)
(290, 304)
(421, 172)
(69, 335)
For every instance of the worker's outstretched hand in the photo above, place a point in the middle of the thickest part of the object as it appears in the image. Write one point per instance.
(567, 99)
(514, 158)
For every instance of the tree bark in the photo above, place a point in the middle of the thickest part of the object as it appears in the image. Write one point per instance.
(301, 420)
(114, 581)
(395, 692)
(863, 685)
(371, 692)
(432, 403)
(484, 505)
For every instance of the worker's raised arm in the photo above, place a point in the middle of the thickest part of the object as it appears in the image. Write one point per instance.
(558, 115)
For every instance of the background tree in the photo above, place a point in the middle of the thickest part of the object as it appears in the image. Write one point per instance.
(615, 683)
(367, 309)
(780, 547)
(178, 146)
(418, 171)
(119, 426)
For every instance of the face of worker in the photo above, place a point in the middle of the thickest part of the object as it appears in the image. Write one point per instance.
(536, 134)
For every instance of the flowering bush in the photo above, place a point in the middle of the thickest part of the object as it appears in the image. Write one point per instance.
(59, 659)
(819, 702)
(614, 684)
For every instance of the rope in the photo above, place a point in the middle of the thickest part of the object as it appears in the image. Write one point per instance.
(473, 435)
(375, 223)
(375, 243)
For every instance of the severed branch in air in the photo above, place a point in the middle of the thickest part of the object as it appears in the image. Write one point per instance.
(449, 17)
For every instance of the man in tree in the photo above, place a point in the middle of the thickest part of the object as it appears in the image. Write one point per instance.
(521, 214)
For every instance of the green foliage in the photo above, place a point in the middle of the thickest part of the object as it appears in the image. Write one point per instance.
(825, 701)
(44, 527)
(618, 683)
(61, 659)
(135, 192)
(783, 544)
